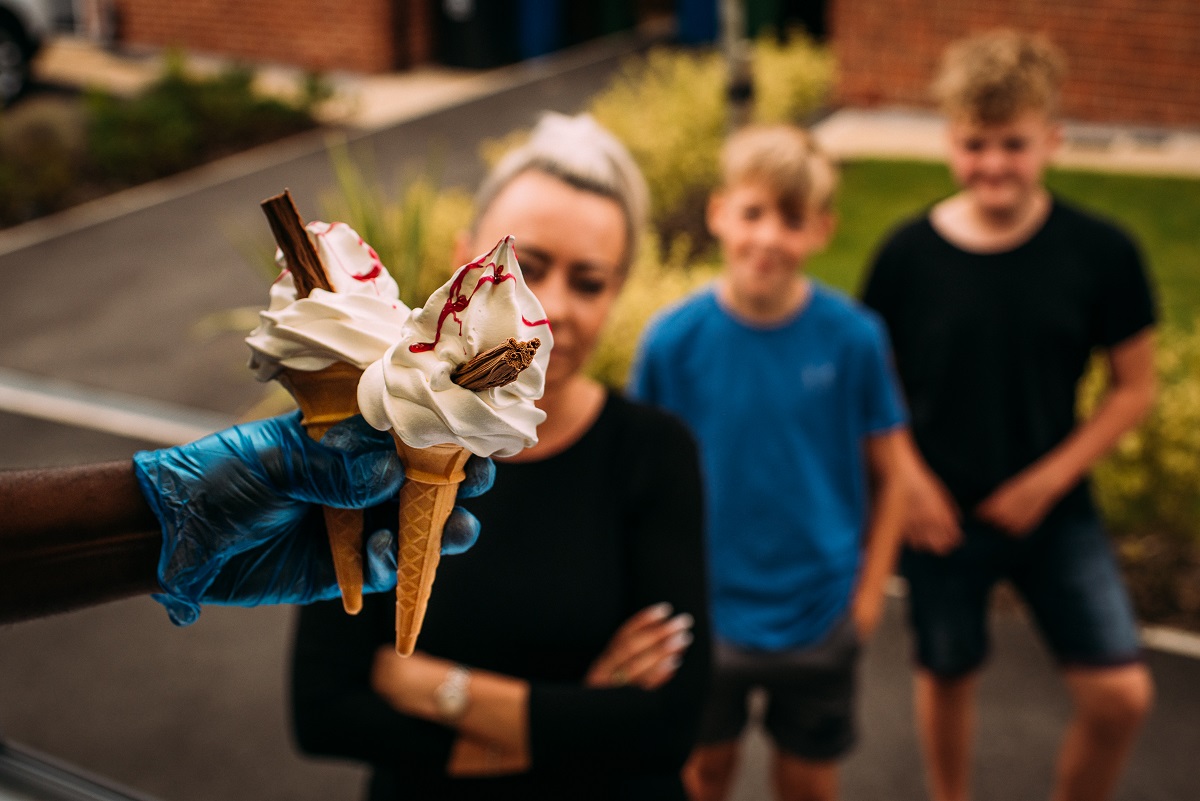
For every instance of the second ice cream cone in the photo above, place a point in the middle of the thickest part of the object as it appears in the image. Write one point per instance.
(327, 397)
(431, 479)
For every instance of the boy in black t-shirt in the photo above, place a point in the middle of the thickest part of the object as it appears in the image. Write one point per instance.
(994, 301)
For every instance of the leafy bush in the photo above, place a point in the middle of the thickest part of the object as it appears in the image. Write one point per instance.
(41, 150)
(181, 120)
(792, 78)
(1151, 480)
(54, 154)
(669, 109)
(132, 141)
(654, 281)
(1149, 486)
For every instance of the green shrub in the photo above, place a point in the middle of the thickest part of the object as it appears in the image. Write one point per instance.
(54, 154)
(669, 109)
(133, 141)
(180, 121)
(792, 79)
(41, 149)
(654, 282)
(1151, 480)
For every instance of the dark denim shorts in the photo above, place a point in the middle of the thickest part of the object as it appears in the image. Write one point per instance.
(1067, 573)
(810, 693)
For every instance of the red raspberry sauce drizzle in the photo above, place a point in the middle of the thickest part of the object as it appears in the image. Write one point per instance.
(457, 302)
(376, 264)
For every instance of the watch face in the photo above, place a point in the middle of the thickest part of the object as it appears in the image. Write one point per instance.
(451, 703)
(452, 695)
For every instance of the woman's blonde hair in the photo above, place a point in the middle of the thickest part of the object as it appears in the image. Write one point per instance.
(785, 159)
(582, 154)
(995, 76)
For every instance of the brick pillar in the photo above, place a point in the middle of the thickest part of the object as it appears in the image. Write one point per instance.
(415, 32)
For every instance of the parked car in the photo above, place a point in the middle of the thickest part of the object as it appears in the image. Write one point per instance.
(24, 26)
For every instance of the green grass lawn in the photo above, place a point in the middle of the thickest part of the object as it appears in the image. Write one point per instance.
(1163, 214)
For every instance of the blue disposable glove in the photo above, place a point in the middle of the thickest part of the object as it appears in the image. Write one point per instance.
(241, 512)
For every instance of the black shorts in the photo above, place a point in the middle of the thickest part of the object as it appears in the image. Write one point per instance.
(1067, 573)
(810, 711)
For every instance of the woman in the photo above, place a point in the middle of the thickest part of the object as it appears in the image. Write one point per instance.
(566, 654)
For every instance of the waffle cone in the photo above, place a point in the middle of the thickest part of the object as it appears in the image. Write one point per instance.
(327, 397)
(431, 479)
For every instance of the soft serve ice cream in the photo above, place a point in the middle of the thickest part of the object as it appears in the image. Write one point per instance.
(318, 345)
(410, 389)
(485, 315)
(355, 323)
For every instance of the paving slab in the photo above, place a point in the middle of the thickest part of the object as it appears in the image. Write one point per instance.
(899, 133)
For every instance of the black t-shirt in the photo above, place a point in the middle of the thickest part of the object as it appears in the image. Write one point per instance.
(990, 347)
(570, 548)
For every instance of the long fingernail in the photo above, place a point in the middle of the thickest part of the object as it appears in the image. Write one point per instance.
(683, 621)
(680, 640)
(673, 662)
(660, 611)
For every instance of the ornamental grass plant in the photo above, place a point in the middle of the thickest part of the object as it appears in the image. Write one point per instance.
(412, 228)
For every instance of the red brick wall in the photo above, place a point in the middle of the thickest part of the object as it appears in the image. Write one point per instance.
(1133, 61)
(355, 35)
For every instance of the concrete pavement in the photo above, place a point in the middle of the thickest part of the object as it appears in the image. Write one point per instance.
(913, 133)
(361, 102)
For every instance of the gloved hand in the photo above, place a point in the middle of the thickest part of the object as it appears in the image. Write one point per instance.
(241, 512)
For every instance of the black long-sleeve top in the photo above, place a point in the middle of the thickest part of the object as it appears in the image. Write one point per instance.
(571, 547)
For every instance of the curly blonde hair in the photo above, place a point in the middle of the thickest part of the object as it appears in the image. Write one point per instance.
(993, 77)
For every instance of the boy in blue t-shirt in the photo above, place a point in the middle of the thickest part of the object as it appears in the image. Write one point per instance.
(787, 386)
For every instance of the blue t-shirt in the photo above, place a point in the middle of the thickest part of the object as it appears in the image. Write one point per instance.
(780, 414)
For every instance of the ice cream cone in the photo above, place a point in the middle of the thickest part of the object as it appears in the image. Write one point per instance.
(431, 479)
(327, 397)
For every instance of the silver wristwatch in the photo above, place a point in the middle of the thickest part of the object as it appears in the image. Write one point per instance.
(453, 694)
